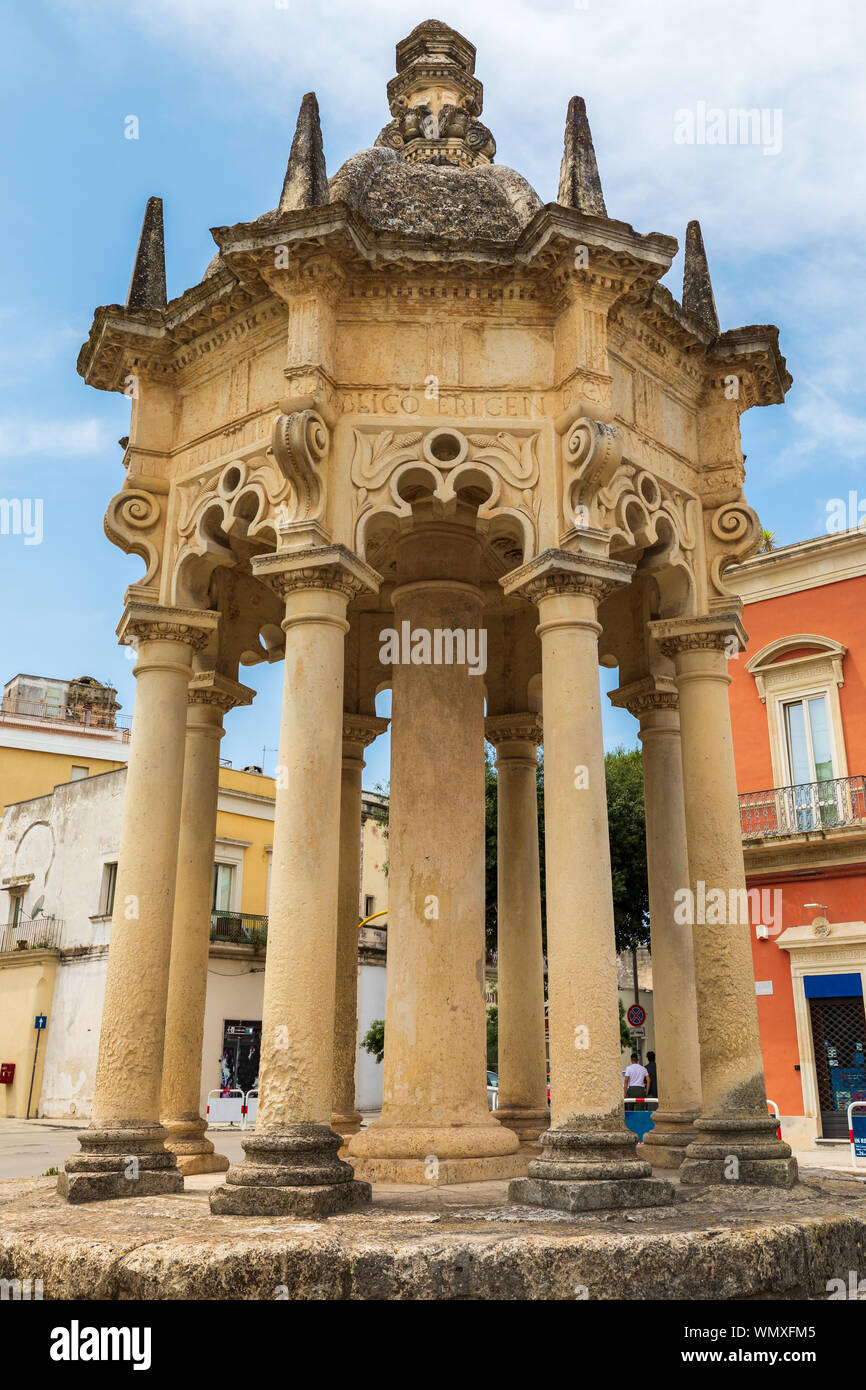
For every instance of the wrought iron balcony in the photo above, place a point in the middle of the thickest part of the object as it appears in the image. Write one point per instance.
(17, 711)
(240, 928)
(31, 934)
(804, 807)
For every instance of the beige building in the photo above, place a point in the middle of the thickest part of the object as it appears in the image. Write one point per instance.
(58, 868)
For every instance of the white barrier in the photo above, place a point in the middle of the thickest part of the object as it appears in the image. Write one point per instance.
(225, 1107)
(776, 1113)
(250, 1108)
(855, 1105)
(493, 1097)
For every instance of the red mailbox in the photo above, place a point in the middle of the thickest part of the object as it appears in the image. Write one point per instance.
(7, 1073)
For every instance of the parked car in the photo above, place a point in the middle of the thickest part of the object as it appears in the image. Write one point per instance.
(492, 1089)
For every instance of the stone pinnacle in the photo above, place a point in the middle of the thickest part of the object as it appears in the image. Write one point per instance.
(697, 287)
(147, 286)
(306, 181)
(579, 183)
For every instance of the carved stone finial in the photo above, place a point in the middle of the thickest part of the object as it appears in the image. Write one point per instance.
(697, 288)
(579, 183)
(306, 181)
(147, 286)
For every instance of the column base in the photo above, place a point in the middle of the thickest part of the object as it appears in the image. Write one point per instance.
(436, 1172)
(193, 1153)
(592, 1194)
(293, 1171)
(116, 1162)
(346, 1122)
(664, 1146)
(526, 1122)
(588, 1170)
(740, 1149)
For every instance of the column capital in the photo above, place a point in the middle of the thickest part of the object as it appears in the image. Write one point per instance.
(712, 632)
(647, 696)
(513, 728)
(210, 688)
(555, 572)
(327, 567)
(152, 622)
(362, 729)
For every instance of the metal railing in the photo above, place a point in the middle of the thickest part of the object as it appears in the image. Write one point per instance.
(31, 934)
(64, 714)
(241, 928)
(804, 807)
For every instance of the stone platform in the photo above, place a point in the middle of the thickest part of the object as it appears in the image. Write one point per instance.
(459, 1242)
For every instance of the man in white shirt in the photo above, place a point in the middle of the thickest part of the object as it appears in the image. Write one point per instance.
(636, 1081)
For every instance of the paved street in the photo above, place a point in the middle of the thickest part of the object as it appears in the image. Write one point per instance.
(29, 1147)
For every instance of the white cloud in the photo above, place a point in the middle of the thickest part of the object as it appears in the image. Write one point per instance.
(25, 437)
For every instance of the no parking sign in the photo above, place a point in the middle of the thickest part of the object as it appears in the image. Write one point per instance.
(636, 1016)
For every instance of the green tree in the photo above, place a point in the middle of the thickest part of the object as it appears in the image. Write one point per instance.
(373, 1040)
(625, 813)
(625, 1037)
(493, 1036)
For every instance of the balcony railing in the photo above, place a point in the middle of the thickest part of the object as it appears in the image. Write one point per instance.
(119, 725)
(804, 807)
(241, 928)
(31, 934)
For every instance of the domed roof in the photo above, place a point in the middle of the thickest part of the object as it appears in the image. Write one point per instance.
(435, 201)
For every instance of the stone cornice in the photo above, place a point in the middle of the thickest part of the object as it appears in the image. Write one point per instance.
(211, 688)
(513, 728)
(575, 571)
(146, 622)
(333, 567)
(362, 729)
(712, 632)
(644, 696)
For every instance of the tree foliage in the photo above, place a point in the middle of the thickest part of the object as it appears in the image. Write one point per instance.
(625, 814)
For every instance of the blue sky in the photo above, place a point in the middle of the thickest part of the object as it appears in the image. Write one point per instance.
(216, 85)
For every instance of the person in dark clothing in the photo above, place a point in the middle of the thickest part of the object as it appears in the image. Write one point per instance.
(653, 1074)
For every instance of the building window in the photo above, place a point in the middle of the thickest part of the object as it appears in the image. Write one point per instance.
(106, 892)
(798, 678)
(369, 905)
(807, 726)
(223, 880)
(17, 907)
(78, 772)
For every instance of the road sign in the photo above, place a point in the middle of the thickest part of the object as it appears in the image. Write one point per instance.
(41, 1021)
(636, 1016)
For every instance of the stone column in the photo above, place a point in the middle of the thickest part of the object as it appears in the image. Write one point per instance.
(122, 1152)
(737, 1137)
(520, 962)
(589, 1154)
(291, 1165)
(210, 696)
(435, 1125)
(358, 731)
(654, 701)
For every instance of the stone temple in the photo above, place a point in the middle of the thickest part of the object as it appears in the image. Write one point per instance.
(418, 428)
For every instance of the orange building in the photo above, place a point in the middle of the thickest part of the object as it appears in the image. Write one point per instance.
(798, 706)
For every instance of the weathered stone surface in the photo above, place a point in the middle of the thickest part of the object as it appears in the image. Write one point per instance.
(147, 286)
(306, 181)
(698, 297)
(446, 1243)
(590, 1194)
(579, 182)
